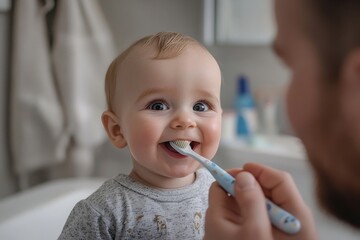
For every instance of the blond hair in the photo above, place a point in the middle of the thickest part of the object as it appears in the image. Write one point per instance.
(166, 45)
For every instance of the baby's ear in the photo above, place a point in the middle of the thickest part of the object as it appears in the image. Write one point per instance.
(112, 127)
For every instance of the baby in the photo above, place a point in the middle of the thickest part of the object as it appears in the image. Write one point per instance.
(162, 88)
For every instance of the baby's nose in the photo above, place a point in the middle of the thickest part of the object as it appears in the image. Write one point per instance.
(183, 121)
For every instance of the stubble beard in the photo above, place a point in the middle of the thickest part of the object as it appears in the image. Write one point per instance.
(336, 162)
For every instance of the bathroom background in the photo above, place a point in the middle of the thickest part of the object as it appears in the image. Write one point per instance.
(129, 20)
(53, 57)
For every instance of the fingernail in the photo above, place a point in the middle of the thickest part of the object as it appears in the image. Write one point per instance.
(245, 181)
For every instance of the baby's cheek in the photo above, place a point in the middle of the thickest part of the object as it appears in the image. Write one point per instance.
(214, 129)
(146, 135)
(212, 138)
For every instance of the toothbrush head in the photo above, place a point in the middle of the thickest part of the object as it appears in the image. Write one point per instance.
(182, 143)
(181, 146)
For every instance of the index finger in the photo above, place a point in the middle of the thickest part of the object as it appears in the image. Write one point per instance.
(275, 184)
(281, 189)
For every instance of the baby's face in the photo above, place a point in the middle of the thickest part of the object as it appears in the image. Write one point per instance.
(162, 100)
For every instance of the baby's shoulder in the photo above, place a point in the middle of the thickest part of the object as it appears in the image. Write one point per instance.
(110, 195)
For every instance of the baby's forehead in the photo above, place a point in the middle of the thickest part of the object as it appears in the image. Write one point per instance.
(139, 53)
(135, 60)
(146, 59)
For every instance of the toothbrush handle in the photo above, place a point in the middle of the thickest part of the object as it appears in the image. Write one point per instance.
(278, 216)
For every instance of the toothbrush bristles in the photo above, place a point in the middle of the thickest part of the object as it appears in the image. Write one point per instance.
(182, 143)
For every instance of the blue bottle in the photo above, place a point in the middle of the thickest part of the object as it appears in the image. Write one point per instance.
(246, 115)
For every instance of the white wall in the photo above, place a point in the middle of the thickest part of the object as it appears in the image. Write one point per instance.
(133, 19)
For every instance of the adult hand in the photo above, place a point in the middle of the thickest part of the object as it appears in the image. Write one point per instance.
(245, 216)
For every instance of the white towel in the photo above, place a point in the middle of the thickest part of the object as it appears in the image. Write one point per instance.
(37, 122)
(83, 49)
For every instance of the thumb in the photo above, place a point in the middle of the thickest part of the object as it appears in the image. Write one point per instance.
(251, 201)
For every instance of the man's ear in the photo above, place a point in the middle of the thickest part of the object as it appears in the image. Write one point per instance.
(352, 69)
(112, 127)
(350, 84)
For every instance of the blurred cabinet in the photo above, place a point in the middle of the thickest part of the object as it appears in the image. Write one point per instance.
(238, 22)
(5, 5)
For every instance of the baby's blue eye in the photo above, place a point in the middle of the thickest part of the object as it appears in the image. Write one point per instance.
(201, 107)
(158, 106)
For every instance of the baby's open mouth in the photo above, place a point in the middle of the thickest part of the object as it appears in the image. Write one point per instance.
(193, 144)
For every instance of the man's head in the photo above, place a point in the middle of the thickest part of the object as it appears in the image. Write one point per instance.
(320, 43)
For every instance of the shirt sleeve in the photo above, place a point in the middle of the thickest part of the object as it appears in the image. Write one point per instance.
(84, 222)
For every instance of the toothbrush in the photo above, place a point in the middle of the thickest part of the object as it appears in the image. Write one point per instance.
(278, 216)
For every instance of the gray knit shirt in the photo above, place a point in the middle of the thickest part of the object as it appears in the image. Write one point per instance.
(125, 209)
